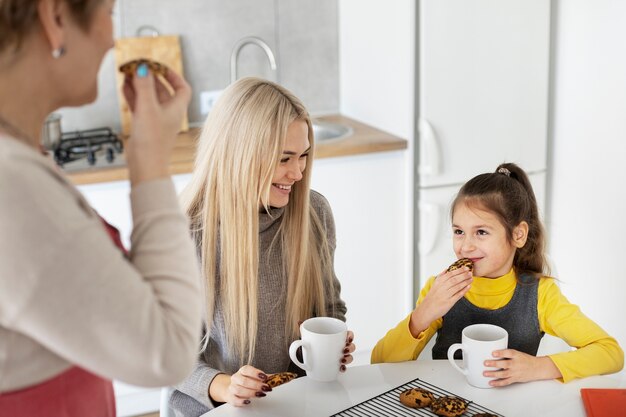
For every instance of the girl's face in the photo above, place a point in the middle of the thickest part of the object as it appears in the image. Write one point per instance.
(477, 234)
(292, 163)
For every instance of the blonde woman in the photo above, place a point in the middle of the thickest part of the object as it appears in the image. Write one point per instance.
(250, 204)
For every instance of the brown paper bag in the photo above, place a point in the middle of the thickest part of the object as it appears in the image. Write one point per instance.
(163, 49)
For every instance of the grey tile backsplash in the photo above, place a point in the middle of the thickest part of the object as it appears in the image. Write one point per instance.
(303, 34)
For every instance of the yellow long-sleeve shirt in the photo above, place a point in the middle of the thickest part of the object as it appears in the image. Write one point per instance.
(596, 352)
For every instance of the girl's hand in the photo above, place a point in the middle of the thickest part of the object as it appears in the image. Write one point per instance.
(447, 289)
(350, 347)
(157, 117)
(519, 367)
(239, 388)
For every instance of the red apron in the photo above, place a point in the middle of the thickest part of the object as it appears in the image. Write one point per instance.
(73, 393)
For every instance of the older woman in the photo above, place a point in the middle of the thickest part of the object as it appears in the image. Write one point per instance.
(266, 244)
(75, 310)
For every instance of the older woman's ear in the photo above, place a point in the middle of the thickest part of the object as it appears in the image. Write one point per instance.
(52, 16)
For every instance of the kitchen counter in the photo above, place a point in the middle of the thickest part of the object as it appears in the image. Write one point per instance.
(364, 139)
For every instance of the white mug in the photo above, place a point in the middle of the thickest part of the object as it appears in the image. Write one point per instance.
(478, 341)
(323, 340)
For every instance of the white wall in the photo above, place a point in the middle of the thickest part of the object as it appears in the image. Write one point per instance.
(376, 63)
(588, 199)
(377, 78)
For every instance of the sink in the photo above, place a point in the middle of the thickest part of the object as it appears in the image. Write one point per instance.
(325, 131)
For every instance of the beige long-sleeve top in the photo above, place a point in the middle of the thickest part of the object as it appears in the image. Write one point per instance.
(68, 296)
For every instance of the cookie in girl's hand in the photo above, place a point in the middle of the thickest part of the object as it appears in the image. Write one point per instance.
(460, 264)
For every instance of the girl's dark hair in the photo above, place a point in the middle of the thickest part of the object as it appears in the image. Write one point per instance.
(508, 194)
(19, 17)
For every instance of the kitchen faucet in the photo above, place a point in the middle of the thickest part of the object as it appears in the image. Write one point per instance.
(251, 40)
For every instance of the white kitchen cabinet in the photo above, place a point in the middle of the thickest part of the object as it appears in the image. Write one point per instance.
(112, 201)
(367, 197)
(377, 86)
(483, 87)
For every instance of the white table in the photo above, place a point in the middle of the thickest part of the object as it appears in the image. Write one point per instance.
(304, 397)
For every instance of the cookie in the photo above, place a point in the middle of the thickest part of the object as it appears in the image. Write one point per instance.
(460, 264)
(448, 406)
(485, 415)
(416, 397)
(280, 378)
(130, 67)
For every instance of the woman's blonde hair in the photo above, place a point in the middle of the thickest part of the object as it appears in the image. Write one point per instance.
(239, 148)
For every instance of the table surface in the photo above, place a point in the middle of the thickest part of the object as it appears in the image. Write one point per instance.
(304, 397)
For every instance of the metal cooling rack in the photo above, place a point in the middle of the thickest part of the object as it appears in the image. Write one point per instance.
(388, 404)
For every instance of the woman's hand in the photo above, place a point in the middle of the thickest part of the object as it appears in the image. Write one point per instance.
(347, 352)
(239, 388)
(447, 289)
(157, 117)
(518, 366)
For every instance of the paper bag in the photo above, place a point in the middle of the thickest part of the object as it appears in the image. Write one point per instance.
(163, 49)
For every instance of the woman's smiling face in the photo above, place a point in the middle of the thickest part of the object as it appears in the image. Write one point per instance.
(292, 163)
(477, 234)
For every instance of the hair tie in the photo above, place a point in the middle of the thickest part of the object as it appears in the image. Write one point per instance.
(504, 171)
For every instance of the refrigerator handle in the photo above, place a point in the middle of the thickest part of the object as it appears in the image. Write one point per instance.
(428, 241)
(430, 159)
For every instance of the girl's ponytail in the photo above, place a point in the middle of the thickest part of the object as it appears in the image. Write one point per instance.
(530, 258)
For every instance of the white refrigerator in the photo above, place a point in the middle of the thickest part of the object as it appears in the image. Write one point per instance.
(482, 99)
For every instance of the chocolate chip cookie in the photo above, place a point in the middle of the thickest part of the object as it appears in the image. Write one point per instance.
(448, 406)
(280, 378)
(416, 397)
(130, 67)
(461, 263)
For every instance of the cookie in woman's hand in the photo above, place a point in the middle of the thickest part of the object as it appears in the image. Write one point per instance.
(460, 264)
(280, 378)
(130, 67)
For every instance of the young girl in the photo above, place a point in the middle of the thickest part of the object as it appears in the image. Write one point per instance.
(495, 223)
(265, 242)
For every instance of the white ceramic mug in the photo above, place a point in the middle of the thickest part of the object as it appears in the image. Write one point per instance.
(323, 340)
(478, 341)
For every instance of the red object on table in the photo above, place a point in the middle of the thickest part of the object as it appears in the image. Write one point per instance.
(604, 402)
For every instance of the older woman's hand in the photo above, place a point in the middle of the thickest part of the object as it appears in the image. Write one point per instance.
(347, 352)
(157, 117)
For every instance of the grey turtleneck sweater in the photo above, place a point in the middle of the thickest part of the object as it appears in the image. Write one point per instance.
(191, 396)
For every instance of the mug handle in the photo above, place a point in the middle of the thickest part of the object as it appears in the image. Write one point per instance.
(292, 353)
(451, 351)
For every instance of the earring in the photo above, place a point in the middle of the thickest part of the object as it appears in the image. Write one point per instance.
(59, 52)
